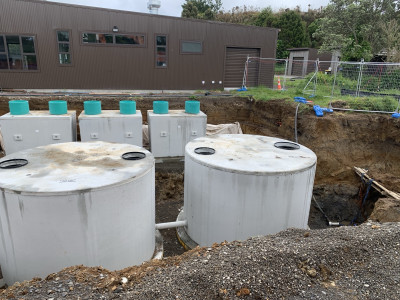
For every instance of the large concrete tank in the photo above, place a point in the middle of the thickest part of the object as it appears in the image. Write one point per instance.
(75, 203)
(238, 186)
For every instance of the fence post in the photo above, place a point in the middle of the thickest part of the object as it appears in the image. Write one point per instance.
(336, 66)
(359, 78)
(286, 73)
(244, 82)
(316, 76)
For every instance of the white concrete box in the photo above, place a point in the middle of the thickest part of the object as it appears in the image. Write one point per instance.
(38, 128)
(75, 203)
(238, 186)
(169, 133)
(111, 126)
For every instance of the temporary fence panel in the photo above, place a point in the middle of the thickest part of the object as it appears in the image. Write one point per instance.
(266, 67)
(377, 85)
(374, 86)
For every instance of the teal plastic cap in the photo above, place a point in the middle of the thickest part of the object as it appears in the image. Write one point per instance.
(192, 107)
(92, 107)
(160, 107)
(58, 107)
(19, 107)
(127, 107)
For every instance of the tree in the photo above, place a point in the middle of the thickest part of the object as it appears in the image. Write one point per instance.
(239, 15)
(293, 32)
(201, 9)
(311, 29)
(266, 18)
(391, 40)
(353, 26)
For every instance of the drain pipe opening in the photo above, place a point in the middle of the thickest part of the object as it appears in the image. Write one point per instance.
(13, 163)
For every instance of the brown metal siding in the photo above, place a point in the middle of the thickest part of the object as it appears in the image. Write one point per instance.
(297, 66)
(327, 57)
(235, 62)
(114, 67)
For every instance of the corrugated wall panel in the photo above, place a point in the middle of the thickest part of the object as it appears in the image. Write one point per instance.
(115, 67)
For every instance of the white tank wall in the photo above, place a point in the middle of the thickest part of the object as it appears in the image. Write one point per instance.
(35, 129)
(230, 205)
(111, 126)
(113, 226)
(227, 206)
(169, 133)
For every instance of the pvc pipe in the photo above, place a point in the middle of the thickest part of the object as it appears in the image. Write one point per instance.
(333, 223)
(171, 225)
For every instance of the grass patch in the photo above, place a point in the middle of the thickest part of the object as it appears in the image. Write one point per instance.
(322, 96)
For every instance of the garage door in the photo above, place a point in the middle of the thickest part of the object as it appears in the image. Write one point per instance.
(235, 60)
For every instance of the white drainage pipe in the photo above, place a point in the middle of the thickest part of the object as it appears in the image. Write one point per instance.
(171, 225)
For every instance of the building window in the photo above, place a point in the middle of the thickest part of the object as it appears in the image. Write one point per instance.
(129, 39)
(161, 51)
(97, 38)
(17, 52)
(191, 47)
(114, 39)
(64, 49)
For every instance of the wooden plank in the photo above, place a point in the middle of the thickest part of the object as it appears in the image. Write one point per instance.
(379, 187)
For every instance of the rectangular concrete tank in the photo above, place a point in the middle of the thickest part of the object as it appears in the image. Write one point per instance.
(169, 133)
(111, 126)
(38, 128)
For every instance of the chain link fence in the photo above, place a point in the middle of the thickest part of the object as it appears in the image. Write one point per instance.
(370, 86)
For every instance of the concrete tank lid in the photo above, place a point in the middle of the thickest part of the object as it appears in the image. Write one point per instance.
(252, 154)
(72, 167)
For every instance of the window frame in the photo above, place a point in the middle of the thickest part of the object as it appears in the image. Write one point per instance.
(70, 47)
(113, 44)
(36, 53)
(191, 53)
(166, 50)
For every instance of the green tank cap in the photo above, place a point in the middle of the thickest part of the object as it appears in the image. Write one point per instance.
(19, 107)
(192, 107)
(92, 107)
(127, 107)
(160, 107)
(58, 107)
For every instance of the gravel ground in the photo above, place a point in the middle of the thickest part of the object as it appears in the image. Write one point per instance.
(338, 263)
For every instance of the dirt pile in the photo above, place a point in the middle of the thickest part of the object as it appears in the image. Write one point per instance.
(386, 210)
(347, 262)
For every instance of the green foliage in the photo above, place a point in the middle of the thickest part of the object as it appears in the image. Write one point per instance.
(293, 32)
(201, 9)
(266, 18)
(353, 26)
(391, 39)
(378, 103)
(295, 88)
(311, 29)
(239, 15)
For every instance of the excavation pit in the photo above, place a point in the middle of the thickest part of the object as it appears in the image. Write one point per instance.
(340, 141)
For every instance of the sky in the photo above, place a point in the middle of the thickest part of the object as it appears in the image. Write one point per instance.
(173, 7)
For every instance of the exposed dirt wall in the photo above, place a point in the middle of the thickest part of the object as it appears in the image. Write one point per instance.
(340, 140)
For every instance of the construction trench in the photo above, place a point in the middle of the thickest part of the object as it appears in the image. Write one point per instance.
(341, 141)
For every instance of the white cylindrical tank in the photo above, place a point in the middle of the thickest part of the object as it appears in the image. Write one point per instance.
(75, 203)
(239, 186)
